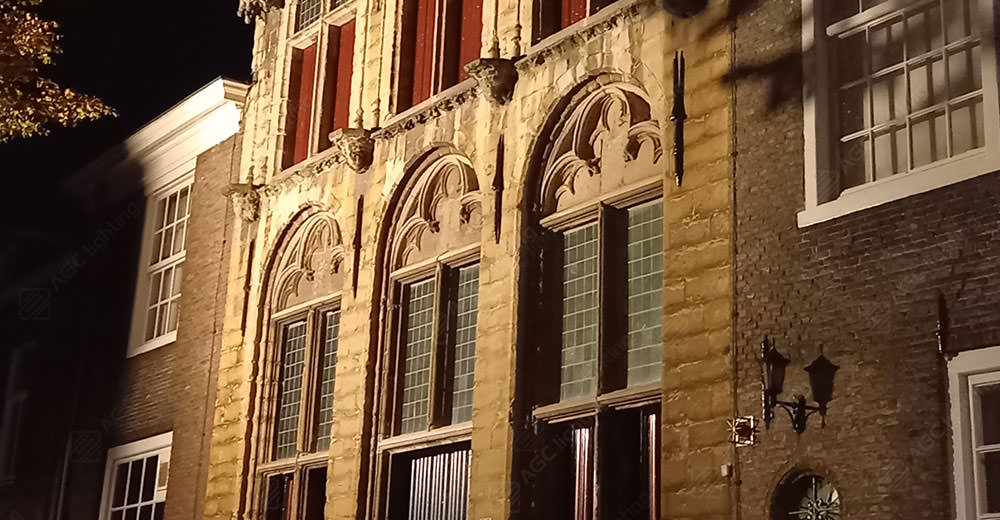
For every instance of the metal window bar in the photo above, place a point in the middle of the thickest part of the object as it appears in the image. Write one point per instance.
(439, 486)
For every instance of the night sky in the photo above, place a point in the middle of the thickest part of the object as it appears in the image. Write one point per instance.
(139, 56)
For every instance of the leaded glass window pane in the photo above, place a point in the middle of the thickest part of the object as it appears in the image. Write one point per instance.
(328, 374)
(307, 12)
(289, 395)
(418, 330)
(465, 343)
(580, 313)
(645, 285)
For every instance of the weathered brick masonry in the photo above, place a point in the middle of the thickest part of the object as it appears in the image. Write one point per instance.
(196, 351)
(862, 289)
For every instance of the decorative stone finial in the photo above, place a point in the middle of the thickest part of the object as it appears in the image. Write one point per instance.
(356, 147)
(250, 9)
(495, 76)
(246, 201)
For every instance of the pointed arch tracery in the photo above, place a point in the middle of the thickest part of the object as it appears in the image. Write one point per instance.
(605, 139)
(310, 265)
(441, 209)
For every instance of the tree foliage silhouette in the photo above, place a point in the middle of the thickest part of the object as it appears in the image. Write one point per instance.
(30, 103)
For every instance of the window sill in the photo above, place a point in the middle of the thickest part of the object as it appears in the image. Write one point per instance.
(420, 440)
(152, 344)
(900, 186)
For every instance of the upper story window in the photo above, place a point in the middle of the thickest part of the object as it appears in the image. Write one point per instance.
(301, 368)
(974, 388)
(437, 40)
(434, 274)
(135, 479)
(319, 82)
(307, 12)
(904, 88)
(552, 16)
(158, 299)
(598, 355)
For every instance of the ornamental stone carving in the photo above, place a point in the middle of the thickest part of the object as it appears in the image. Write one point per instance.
(607, 141)
(310, 262)
(355, 146)
(496, 77)
(441, 210)
(246, 201)
(250, 9)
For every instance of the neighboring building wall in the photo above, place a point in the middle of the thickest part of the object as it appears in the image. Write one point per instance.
(91, 391)
(631, 40)
(863, 289)
(195, 366)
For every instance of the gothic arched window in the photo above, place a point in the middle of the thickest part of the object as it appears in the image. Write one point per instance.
(433, 263)
(597, 342)
(300, 363)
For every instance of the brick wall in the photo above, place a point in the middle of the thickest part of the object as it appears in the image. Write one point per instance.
(861, 288)
(199, 331)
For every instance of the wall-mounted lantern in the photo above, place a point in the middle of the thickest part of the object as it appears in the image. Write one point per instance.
(821, 374)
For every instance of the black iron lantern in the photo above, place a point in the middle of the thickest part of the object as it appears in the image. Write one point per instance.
(821, 374)
(684, 8)
(774, 365)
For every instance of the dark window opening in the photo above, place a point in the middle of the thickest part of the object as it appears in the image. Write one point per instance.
(277, 498)
(300, 100)
(552, 16)
(315, 495)
(437, 41)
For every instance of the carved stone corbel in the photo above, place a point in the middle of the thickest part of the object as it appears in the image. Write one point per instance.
(250, 9)
(495, 76)
(356, 146)
(246, 201)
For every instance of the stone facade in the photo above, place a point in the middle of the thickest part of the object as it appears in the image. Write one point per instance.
(629, 42)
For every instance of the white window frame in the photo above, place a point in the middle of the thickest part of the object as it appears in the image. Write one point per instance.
(969, 368)
(156, 445)
(817, 111)
(138, 344)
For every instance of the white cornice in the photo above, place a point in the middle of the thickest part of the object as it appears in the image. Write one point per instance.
(203, 119)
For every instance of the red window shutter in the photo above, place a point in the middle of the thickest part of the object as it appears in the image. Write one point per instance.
(303, 113)
(423, 55)
(345, 69)
(472, 35)
(573, 11)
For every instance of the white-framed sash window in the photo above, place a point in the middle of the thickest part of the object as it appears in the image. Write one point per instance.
(974, 388)
(135, 479)
(900, 98)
